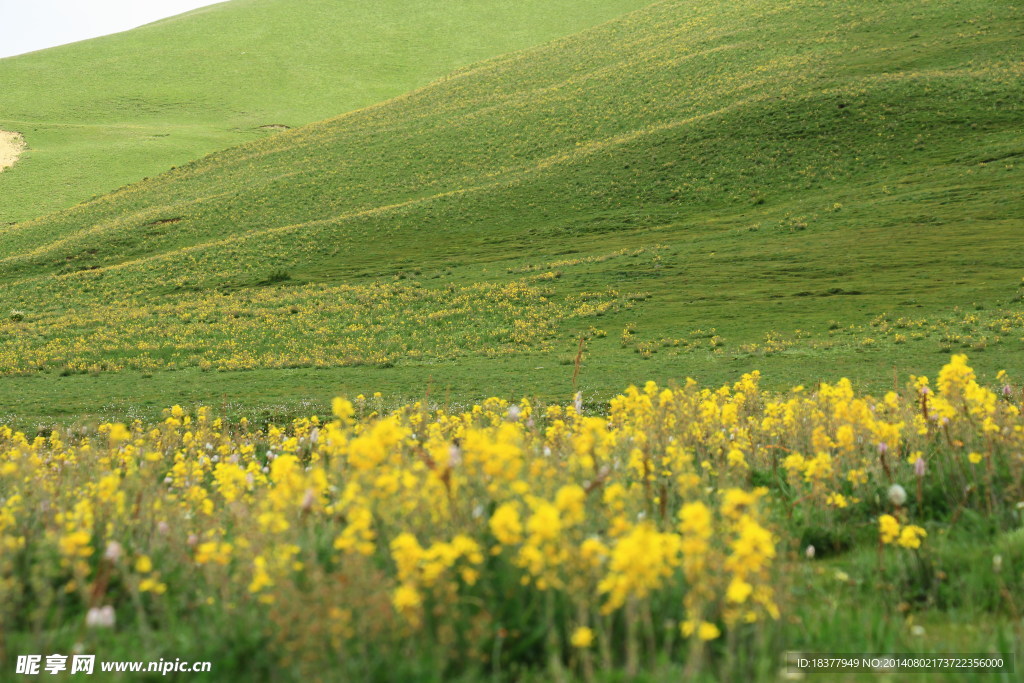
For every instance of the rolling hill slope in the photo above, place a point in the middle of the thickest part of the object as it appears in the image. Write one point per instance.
(697, 187)
(105, 112)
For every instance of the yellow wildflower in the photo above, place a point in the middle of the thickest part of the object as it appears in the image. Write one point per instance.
(582, 637)
(889, 528)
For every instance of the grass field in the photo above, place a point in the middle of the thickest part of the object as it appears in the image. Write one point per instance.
(110, 111)
(429, 361)
(740, 173)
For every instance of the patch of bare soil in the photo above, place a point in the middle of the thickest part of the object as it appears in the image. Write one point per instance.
(11, 147)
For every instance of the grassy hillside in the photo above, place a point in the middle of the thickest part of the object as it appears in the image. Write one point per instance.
(106, 112)
(695, 189)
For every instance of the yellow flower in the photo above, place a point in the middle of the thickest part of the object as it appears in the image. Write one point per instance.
(143, 565)
(359, 535)
(705, 631)
(582, 637)
(837, 499)
(737, 458)
(889, 528)
(708, 631)
(640, 562)
(505, 524)
(260, 578)
(614, 495)
(911, 536)
(213, 552)
(738, 591)
(794, 463)
(342, 409)
(75, 544)
(545, 523)
(118, 433)
(955, 376)
(736, 501)
(975, 458)
(406, 597)
(695, 519)
(569, 500)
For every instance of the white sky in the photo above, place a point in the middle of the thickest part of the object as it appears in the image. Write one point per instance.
(27, 25)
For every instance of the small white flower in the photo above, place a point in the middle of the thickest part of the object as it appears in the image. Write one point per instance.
(100, 617)
(454, 455)
(809, 552)
(113, 551)
(897, 495)
(917, 630)
(997, 563)
(514, 412)
(163, 527)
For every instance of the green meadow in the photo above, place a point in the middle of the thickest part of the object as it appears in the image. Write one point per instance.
(103, 113)
(263, 205)
(789, 187)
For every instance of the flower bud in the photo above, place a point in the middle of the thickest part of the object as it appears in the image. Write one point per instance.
(454, 455)
(308, 500)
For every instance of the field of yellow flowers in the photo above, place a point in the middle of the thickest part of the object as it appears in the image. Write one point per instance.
(683, 531)
(312, 325)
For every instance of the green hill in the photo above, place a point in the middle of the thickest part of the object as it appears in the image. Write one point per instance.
(697, 188)
(102, 113)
